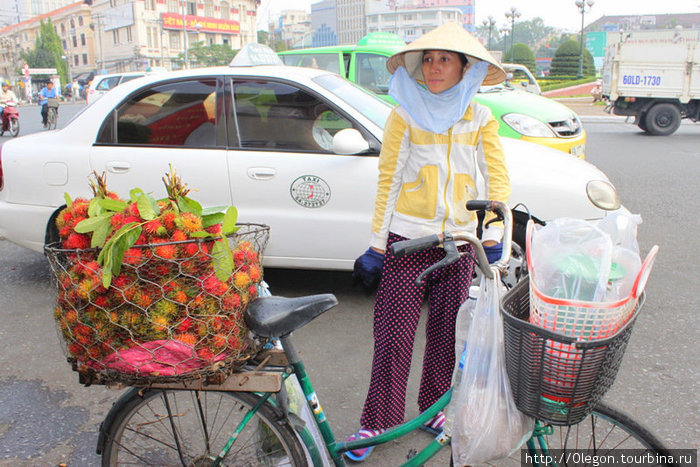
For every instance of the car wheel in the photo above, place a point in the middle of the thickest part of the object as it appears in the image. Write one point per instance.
(663, 119)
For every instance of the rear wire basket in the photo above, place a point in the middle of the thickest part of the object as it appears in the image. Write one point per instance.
(553, 377)
(166, 317)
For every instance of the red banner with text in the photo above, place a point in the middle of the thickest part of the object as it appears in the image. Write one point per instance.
(222, 26)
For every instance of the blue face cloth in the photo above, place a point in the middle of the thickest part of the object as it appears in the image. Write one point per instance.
(436, 112)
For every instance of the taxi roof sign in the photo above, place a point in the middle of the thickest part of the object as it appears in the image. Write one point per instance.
(256, 54)
(381, 38)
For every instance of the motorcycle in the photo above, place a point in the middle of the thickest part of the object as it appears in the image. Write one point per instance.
(10, 119)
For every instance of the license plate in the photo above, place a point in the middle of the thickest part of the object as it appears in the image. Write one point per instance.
(577, 150)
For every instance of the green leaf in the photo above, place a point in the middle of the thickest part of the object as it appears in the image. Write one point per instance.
(69, 201)
(201, 234)
(99, 235)
(123, 243)
(189, 205)
(212, 219)
(230, 218)
(106, 278)
(112, 204)
(213, 210)
(134, 194)
(222, 260)
(94, 208)
(146, 207)
(92, 223)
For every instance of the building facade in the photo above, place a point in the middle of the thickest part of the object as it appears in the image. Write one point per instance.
(73, 26)
(293, 27)
(413, 23)
(139, 34)
(324, 23)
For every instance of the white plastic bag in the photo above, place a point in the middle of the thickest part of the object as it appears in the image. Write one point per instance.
(487, 424)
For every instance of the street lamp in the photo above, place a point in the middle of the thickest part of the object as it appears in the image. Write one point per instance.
(581, 4)
(491, 22)
(512, 15)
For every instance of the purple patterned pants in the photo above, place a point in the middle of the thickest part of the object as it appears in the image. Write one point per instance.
(396, 314)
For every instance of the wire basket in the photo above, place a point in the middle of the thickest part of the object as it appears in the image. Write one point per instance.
(165, 317)
(554, 377)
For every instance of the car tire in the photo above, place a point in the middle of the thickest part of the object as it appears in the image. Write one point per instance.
(663, 119)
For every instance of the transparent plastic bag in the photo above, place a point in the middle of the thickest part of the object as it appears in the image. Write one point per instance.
(621, 225)
(487, 423)
(571, 259)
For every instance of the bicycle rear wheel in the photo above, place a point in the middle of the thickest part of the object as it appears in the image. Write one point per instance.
(604, 430)
(190, 428)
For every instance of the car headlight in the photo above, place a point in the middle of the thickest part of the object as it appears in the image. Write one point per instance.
(603, 195)
(528, 126)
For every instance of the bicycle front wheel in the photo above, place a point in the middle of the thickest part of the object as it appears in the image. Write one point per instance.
(52, 119)
(190, 428)
(604, 432)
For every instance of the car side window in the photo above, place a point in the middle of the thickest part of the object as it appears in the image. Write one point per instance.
(181, 114)
(107, 83)
(129, 78)
(372, 73)
(329, 62)
(280, 117)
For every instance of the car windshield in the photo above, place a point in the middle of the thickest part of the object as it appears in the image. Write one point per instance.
(373, 107)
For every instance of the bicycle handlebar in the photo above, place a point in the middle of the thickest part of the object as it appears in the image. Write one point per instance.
(448, 239)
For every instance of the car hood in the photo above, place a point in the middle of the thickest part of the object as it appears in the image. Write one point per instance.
(564, 176)
(503, 100)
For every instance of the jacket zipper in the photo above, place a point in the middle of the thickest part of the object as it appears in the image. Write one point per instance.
(449, 175)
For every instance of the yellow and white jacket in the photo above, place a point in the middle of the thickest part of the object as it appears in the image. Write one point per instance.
(426, 178)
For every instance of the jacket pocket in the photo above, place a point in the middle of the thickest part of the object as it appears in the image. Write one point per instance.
(419, 197)
(464, 190)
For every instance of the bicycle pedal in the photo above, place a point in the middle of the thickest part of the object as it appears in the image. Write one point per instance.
(411, 454)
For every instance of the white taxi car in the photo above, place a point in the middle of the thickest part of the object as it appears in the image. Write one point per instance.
(290, 147)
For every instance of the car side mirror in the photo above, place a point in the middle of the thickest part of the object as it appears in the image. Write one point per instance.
(349, 141)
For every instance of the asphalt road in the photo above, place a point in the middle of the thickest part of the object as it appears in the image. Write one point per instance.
(47, 418)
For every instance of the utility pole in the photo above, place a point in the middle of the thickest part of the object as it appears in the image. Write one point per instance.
(184, 36)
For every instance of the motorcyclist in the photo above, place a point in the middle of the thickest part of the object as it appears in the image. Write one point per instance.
(46, 92)
(6, 95)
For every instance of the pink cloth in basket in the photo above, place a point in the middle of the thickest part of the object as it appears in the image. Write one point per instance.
(159, 357)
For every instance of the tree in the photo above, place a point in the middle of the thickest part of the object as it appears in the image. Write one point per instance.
(209, 55)
(263, 37)
(566, 60)
(522, 54)
(47, 51)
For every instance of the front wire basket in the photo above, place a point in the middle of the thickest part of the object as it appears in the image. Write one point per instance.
(166, 317)
(554, 377)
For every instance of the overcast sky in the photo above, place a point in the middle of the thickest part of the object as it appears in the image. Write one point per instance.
(557, 13)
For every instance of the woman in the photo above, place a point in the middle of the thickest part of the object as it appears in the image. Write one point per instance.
(434, 144)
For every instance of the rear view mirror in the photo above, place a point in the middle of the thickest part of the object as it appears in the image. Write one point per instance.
(349, 141)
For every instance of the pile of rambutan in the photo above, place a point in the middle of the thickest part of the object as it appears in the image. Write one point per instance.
(154, 287)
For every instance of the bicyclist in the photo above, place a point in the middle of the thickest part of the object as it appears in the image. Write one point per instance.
(6, 95)
(435, 142)
(46, 92)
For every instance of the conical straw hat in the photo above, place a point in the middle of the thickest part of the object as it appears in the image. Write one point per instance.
(449, 36)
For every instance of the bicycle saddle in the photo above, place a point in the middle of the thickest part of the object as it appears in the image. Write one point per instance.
(279, 316)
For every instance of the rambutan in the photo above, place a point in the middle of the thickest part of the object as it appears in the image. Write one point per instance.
(189, 222)
(251, 256)
(214, 286)
(132, 209)
(166, 251)
(166, 308)
(252, 292)
(101, 301)
(64, 218)
(168, 219)
(133, 256)
(142, 299)
(255, 273)
(65, 232)
(241, 280)
(160, 324)
(153, 227)
(214, 229)
(178, 236)
(117, 219)
(185, 325)
(238, 257)
(231, 301)
(187, 338)
(205, 354)
(179, 296)
(80, 206)
(75, 349)
(76, 241)
(190, 248)
(219, 342)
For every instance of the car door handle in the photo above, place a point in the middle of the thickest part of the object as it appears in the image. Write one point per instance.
(261, 173)
(118, 167)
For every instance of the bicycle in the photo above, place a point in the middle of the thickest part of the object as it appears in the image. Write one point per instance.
(247, 419)
(51, 113)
